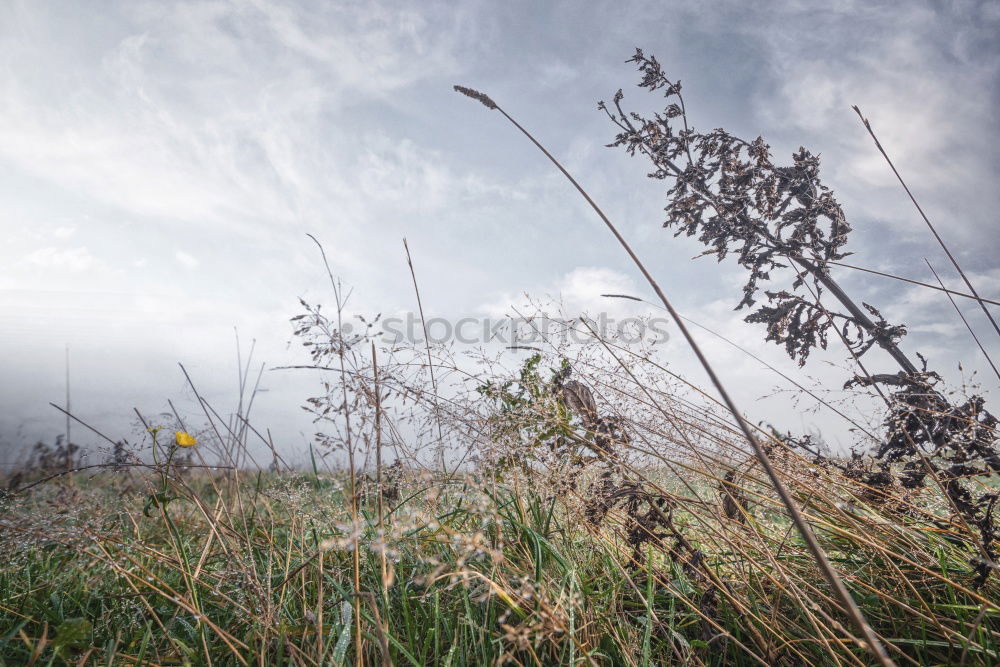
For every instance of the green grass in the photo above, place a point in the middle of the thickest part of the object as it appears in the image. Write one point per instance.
(258, 569)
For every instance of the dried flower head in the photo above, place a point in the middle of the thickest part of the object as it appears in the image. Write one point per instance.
(476, 95)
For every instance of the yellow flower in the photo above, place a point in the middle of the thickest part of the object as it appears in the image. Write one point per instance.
(185, 440)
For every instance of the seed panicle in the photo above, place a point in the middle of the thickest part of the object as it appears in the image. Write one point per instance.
(476, 95)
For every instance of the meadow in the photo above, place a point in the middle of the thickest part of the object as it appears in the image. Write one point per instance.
(688, 567)
(586, 506)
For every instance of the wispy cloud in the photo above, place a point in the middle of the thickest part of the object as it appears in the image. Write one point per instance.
(186, 260)
(70, 259)
(179, 152)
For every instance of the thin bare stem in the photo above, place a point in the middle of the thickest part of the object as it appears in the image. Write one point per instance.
(965, 322)
(80, 421)
(350, 457)
(753, 356)
(937, 236)
(430, 360)
(383, 625)
(843, 595)
(914, 282)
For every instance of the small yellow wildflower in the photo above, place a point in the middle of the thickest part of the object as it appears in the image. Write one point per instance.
(185, 440)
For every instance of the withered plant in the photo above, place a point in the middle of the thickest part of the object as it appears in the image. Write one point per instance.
(730, 194)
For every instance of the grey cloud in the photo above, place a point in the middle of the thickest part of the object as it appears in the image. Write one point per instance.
(221, 132)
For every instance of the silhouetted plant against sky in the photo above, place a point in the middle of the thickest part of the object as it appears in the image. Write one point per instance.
(729, 193)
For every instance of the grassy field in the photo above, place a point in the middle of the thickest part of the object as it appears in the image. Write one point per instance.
(276, 569)
(588, 507)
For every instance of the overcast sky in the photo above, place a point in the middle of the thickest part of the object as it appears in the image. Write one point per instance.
(162, 162)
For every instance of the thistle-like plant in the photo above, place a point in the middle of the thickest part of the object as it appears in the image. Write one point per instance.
(729, 193)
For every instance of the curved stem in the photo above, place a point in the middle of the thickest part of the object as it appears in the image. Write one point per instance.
(850, 607)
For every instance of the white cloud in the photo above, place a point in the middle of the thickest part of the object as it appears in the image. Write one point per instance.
(70, 259)
(64, 231)
(186, 260)
(210, 113)
(231, 128)
(575, 293)
(921, 76)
